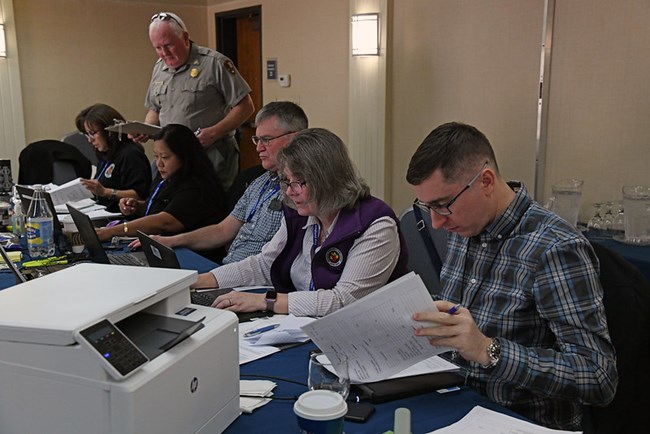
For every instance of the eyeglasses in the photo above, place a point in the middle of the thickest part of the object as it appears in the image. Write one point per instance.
(266, 140)
(444, 209)
(90, 135)
(164, 16)
(295, 186)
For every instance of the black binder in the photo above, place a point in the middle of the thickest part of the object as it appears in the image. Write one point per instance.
(389, 390)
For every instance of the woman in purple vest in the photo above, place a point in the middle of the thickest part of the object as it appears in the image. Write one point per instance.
(335, 245)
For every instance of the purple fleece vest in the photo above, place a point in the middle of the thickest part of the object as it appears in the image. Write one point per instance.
(328, 264)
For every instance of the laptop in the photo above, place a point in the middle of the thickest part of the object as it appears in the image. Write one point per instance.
(161, 256)
(95, 250)
(24, 274)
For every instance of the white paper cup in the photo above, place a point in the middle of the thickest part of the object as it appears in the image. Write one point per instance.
(320, 412)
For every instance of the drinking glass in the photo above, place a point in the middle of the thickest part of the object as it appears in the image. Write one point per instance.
(596, 222)
(329, 375)
(619, 219)
(608, 217)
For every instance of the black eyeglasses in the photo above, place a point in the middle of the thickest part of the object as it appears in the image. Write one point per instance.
(444, 209)
(90, 135)
(164, 16)
(266, 140)
(295, 186)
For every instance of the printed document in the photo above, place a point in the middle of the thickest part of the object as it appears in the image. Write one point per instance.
(480, 420)
(376, 333)
(69, 192)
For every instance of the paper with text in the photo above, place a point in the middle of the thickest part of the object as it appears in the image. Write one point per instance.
(69, 192)
(480, 420)
(376, 333)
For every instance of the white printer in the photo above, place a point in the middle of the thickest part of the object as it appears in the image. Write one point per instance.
(115, 349)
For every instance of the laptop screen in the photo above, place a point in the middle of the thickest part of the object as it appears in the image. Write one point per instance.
(91, 240)
(158, 255)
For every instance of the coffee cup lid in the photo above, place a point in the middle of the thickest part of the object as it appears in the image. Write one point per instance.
(320, 405)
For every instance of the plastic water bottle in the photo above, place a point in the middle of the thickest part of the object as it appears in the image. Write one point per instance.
(18, 216)
(39, 227)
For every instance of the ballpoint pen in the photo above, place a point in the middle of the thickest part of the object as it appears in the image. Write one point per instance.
(261, 330)
(453, 309)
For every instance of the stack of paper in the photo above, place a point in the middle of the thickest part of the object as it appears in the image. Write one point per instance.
(287, 330)
(483, 421)
(254, 394)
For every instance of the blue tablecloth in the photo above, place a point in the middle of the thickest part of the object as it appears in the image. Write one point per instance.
(428, 412)
(188, 259)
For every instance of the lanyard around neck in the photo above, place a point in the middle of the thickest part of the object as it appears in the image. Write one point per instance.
(262, 198)
(106, 164)
(315, 235)
(153, 196)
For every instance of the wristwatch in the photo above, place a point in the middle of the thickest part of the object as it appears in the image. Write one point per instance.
(494, 353)
(270, 297)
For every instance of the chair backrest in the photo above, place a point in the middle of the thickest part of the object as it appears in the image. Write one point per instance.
(36, 163)
(241, 183)
(627, 307)
(80, 142)
(420, 260)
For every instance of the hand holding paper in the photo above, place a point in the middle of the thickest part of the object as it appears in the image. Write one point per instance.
(376, 333)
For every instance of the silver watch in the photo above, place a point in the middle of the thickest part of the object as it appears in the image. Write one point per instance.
(494, 353)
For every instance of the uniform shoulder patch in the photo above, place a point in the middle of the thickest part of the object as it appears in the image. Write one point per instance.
(227, 63)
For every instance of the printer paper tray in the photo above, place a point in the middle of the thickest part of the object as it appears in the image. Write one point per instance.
(155, 334)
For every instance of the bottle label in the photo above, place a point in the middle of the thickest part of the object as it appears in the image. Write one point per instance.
(39, 233)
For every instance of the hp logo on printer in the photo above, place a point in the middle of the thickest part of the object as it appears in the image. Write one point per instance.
(194, 384)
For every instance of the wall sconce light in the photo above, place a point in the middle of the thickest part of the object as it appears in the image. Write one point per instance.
(3, 42)
(365, 35)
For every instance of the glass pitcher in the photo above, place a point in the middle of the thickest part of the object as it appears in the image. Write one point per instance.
(636, 202)
(566, 199)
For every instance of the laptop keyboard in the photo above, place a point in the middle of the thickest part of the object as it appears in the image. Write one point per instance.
(202, 298)
(126, 259)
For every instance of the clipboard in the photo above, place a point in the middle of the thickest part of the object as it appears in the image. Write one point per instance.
(134, 127)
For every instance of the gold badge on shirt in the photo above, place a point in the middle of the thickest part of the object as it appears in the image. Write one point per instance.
(194, 73)
(334, 257)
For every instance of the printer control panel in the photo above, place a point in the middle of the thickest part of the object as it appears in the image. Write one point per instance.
(120, 356)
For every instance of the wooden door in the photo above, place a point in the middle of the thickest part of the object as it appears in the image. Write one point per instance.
(239, 37)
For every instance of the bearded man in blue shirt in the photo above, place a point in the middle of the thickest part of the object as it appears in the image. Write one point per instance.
(528, 321)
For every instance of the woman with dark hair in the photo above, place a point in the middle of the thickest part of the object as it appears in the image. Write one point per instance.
(185, 195)
(123, 169)
(335, 244)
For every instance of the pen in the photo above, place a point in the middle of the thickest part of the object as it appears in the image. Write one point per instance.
(261, 330)
(453, 309)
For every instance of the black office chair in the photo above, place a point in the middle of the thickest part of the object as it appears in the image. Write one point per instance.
(627, 307)
(80, 142)
(53, 161)
(241, 183)
(420, 258)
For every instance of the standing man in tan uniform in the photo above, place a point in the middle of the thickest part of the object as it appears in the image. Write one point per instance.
(200, 88)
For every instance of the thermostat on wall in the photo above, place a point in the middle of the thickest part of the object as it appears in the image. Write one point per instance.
(285, 80)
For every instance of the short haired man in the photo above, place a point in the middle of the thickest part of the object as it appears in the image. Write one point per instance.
(528, 320)
(258, 213)
(199, 88)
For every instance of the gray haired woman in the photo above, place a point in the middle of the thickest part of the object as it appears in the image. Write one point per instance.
(336, 242)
